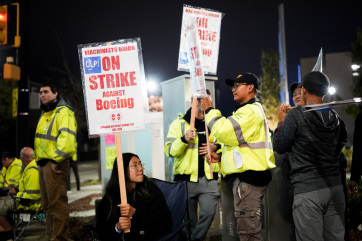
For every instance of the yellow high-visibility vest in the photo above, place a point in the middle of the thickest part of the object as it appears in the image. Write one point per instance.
(11, 174)
(55, 136)
(29, 187)
(186, 155)
(246, 139)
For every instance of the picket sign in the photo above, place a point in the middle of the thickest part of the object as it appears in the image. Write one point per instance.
(115, 93)
(197, 79)
(208, 23)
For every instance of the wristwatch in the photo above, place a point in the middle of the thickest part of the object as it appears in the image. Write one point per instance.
(117, 230)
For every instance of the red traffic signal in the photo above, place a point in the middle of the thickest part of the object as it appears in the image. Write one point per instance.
(9, 25)
(3, 24)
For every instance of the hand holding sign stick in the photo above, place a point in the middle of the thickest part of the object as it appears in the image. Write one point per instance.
(198, 84)
(121, 178)
(106, 111)
(192, 127)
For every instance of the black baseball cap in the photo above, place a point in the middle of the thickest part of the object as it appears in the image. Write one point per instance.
(316, 83)
(246, 77)
(294, 85)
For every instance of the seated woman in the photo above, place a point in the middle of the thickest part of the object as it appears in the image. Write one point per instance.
(146, 213)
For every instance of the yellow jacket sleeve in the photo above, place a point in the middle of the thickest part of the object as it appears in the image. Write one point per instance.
(13, 173)
(228, 130)
(29, 187)
(174, 146)
(66, 140)
(2, 177)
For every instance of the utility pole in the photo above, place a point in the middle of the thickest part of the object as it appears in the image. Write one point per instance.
(14, 45)
(22, 122)
(284, 92)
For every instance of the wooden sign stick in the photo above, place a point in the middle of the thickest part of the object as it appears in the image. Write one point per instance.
(193, 113)
(121, 178)
(208, 149)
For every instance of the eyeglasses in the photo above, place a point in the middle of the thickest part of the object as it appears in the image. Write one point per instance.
(139, 165)
(236, 85)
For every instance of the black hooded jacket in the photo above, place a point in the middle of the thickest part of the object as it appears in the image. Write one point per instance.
(315, 140)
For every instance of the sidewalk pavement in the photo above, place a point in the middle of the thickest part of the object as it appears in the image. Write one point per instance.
(84, 192)
(88, 170)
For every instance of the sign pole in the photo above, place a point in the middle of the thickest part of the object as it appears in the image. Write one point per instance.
(193, 113)
(208, 149)
(121, 178)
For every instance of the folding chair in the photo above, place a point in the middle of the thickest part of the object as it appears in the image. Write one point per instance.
(21, 219)
(175, 194)
(90, 229)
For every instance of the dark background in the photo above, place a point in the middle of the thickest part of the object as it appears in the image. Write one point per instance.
(246, 29)
(52, 30)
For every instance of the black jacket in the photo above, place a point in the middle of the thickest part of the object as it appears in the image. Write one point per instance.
(356, 169)
(315, 140)
(152, 217)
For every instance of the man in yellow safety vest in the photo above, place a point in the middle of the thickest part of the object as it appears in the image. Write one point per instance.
(247, 155)
(55, 143)
(188, 148)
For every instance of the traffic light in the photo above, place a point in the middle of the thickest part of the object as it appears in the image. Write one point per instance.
(11, 71)
(3, 24)
(9, 25)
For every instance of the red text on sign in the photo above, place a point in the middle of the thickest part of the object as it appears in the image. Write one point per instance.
(111, 62)
(207, 35)
(112, 80)
(117, 103)
(207, 52)
(194, 53)
(201, 22)
(198, 72)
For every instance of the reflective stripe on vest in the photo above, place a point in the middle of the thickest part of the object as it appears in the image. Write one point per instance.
(240, 137)
(173, 139)
(30, 192)
(48, 136)
(237, 130)
(213, 121)
(182, 127)
(191, 146)
(67, 130)
(61, 153)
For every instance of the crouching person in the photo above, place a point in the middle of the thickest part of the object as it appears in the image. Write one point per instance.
(146, 214)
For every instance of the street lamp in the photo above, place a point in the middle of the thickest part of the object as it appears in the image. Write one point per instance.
(151, 85)
(355, 68)
(331, 91)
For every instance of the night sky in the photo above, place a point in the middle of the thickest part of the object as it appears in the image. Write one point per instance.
(246, 29)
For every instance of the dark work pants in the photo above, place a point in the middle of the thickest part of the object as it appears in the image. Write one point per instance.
(319, 215)
(74, 166)
(55, 200)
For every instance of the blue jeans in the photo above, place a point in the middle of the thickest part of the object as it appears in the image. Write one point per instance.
(204, 193)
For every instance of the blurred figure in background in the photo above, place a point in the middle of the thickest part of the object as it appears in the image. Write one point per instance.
(356, 168)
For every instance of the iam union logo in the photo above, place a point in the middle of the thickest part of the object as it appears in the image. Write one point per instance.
(115, 117)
